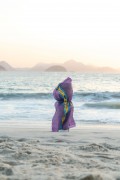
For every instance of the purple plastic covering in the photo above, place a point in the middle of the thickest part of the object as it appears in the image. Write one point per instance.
(69, 122)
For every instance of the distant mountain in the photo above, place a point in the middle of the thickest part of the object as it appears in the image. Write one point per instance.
(42, 66)
(2, 68)
(105, 69)
(45, 66)
(22, 69)
(6, 66)
(56, 69)
(73, 65)
(70, 65)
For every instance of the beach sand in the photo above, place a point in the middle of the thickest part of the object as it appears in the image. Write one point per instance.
(84, 153)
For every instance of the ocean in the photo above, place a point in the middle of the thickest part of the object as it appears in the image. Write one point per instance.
(26, 97)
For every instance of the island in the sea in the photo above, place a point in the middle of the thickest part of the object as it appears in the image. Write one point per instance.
(56, 69)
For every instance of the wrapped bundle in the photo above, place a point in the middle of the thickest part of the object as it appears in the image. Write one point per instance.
(63, 117)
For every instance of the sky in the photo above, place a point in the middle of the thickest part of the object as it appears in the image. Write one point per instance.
(33, 31)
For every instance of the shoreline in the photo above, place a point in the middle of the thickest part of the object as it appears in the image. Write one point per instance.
(38, 126)
(31, 130)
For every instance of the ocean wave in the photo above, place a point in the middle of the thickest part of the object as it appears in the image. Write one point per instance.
(77, 96)
(12, 96)
(100, 105)
(90, 121)
(95, 96)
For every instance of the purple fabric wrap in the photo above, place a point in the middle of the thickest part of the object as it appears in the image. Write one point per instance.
(69, 122)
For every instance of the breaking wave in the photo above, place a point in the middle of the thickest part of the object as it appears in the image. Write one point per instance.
(107, 105)
(13, 96)
(95, 96)
(78, 96)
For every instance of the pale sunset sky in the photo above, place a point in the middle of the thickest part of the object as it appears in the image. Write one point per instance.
(33, 31)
